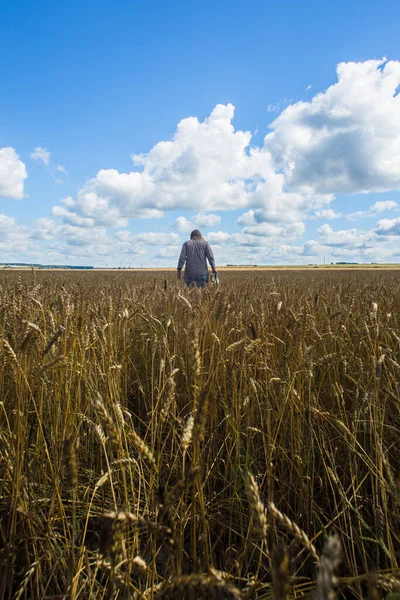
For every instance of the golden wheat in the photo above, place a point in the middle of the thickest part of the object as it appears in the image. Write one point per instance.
(133, 413)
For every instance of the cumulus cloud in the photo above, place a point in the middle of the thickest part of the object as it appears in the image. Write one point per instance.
(73, 235)
(206, 166)
(270, 230)
(351, 245)
(169, 252)
(183, 225)
(73, 242)
(218, 237)
(380, 207)
(72, 238)
(206, 220)
(89, 205)
(345, 140)
(277, 205)
(361, 254)
(375, 209)
(328, 214)
(388, 227)
(152, 238)
(10, 230)
(200, 220)
(12, 174)
(259, 235)
(41, 155)
(349, 238)
(15, 240)
(375, 245)
(247, 218)
(71, 218)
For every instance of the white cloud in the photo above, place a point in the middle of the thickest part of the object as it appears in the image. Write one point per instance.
(354, 245)
(183, 225)
(206, 220)
(71, 242)
(274, 107)
(73, 235)
(375, 209)
(200, 220)
(349, 238)
(169, 252)
(71, 218)
(277, 205)
(15, 241)
(206, 166)
(263, 236)
(11, 230)
(247, 218)
(268, 234)
(41, 155)
(12, 174)
(380, 207)
(68, 202)
(359, 254)
(218, 237)
(328, 214)
(71, 239)
(152, 238)
(45, 229)
(90, 205)
(345, 140)
(388, 227)
(269, 230)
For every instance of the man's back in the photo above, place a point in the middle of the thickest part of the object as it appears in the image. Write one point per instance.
(195, 253)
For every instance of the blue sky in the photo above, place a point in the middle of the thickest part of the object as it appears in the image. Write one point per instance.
(274, 127)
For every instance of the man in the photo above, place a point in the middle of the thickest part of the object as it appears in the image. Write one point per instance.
(195, 253)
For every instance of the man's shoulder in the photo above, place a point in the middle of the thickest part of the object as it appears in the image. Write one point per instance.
(197, 243)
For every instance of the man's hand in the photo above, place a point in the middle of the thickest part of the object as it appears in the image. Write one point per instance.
(178, 274)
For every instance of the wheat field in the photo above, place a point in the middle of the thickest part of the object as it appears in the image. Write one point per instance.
(240, 442)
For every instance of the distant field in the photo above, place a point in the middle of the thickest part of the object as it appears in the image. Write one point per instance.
(158, 442)
(329, 267)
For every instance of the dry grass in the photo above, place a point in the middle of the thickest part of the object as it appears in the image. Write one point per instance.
(163, 443)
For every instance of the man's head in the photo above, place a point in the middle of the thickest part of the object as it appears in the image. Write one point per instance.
(196, 235)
